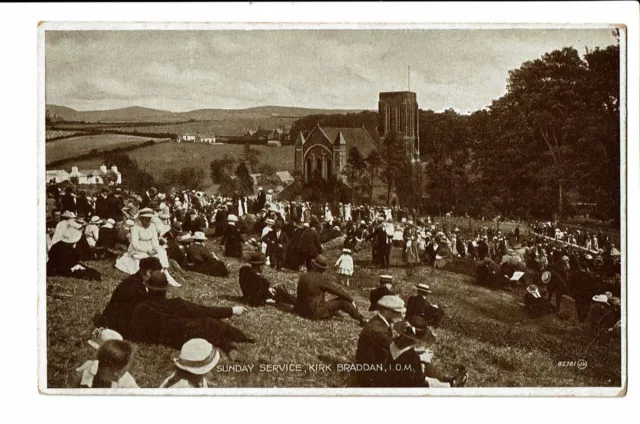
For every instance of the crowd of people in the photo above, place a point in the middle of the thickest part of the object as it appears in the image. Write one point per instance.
(157, 238)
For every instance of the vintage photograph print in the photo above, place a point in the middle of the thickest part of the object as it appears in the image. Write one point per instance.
(397, 210)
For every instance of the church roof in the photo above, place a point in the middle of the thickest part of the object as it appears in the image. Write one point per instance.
(353, 137)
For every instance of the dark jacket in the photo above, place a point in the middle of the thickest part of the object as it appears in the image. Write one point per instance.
(68, 203)
(373, 352)
(118, 312)
(421, 307)
(311, 302)
(101, 207)
(376, 294)
(114, 208)
(276, 245)
(232, 241)
(204, 262)
(172, 322)
(254, 287)
(310, 246)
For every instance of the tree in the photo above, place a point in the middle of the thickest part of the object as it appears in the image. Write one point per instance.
(244, 178)
(374, 164)
(251, 155)
(190, 177)
(355, 166)
(221, 169)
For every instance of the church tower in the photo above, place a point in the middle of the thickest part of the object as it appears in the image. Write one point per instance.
(398, 110)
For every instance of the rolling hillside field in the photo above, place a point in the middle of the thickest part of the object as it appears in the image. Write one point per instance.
(77, 146)
(155, 159)
(485, 330)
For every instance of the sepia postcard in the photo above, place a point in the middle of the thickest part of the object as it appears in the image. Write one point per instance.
(332, 209)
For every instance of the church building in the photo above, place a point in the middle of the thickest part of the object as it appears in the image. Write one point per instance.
(326, 149)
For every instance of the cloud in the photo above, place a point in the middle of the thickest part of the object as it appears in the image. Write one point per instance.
(180, 70)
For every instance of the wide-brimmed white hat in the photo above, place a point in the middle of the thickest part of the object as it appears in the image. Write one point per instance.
(95, 219)
(71, 235)
(111, 221)
(270, 191)
(199, 236)
(68, 214)
(345, 250)
(197, 356)
(232, 218)
(146, 213)
(101, 335)
(546, 277)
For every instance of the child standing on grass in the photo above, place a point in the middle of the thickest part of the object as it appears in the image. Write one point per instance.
(110, 369)
(345, 266)
(197, 358)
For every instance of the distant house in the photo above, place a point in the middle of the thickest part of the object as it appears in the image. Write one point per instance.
(285, 177)
(187, 138)
(57, 175)
(208, 140)
(85, 176)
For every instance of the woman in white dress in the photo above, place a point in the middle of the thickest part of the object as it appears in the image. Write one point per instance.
(144, 243)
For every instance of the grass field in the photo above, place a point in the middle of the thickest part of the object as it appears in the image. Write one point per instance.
(77, 146)
(156, 159)
(224, 127)
(485, 330)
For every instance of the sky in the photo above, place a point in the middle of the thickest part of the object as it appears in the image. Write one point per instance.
(336, 69)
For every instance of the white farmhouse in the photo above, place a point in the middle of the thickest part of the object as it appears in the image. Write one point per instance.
(84, 176)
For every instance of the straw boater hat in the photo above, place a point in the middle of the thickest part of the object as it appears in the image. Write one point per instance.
(386, 279)
(197, 356)
(423, 288)
(257, 258)
(68, 215)
(129, 223)
(269, 221)
(232, 218)
(146, 213)
(600, 298)
(95, 219)
(392, 303)
(111, 221)
(101, 335)
(416, 330)
(546, 277)
(336, 228)
(199, 236)
(345, 250)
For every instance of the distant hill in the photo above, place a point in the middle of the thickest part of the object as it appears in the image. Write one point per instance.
(142, 114)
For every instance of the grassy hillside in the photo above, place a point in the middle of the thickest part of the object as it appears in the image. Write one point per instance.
(77, 146)
(483, 329)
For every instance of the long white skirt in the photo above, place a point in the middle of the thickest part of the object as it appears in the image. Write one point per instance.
(129, 263)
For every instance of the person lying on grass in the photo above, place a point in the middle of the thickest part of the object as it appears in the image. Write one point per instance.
(312, 287)
(112, 364)
(93, 373)
(197, 358)
(172, 322)
(256, 290)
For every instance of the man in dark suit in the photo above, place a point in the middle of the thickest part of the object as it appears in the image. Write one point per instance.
(231, 238)
(101, 203)
(277, 242)
(373, 354)
(83, 207)
(68, 200)
(419, 306)
(129, 293)
(384, 290)
(262, 198)
(312, 287)
(310, 245)
(380, 239)
(256, 289)
(114, 207)
(204, 262)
